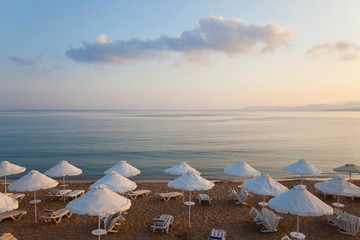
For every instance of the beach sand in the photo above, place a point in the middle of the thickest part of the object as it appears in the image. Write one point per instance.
(222, 214)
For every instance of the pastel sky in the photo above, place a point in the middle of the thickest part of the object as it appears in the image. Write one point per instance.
(178, 54)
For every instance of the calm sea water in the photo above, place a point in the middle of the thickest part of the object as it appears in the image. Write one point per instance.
(155, 140)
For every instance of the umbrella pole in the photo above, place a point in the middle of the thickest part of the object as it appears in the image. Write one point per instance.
(301, 179)
(297, 224)
(5, 184)
(64, 187)
(190, 210)
(99, 227)
(35, 206)
(262, 210)
(350, 176)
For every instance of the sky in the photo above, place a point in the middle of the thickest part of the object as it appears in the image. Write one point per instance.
(178, 54)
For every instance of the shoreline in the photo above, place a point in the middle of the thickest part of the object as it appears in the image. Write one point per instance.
(91, 179)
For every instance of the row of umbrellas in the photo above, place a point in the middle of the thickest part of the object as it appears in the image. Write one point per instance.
(241, 168)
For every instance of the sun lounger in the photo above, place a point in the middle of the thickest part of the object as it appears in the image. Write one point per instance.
(217, 234)
(163, 223)
(117, 215)
(239, 197)
(15, 215)
(57, 193)
(167, 196)
(55, 215)
(74, 194)
(113, 220)
(203, 197)
(135, 194)
(267, 221)
(7, 236)
(19, 196)
(345, 222)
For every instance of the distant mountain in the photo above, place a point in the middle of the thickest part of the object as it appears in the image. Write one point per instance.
(350, 106)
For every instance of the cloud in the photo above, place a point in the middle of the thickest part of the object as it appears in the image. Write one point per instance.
(210, 35)
(102, 38)
(25, 61)
(345, 50)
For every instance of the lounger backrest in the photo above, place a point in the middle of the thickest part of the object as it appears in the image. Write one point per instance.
(159, 222)
(217, 234)
(351, 218)
(355, 220)
(49, 213)
(271, 218)
(61, 211)
(243, 194)
(54, 191)
(110, 224)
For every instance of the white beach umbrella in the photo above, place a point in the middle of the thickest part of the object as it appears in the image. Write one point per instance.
(124, 169)
(99, 201)
(242, 169)
(7, 168)
(264, 185)
(181, 169)
(299, 201)
(348, 168)
(115, 182)
(33, 181)
(191, 182)
(301, 167)
(62, 169)
(338, 186)
(7, 203)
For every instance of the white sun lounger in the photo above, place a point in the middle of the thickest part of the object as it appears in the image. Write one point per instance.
(19, 196)
(345, 222)
(267, 221)
(15, 215)
(167, 196)
(7, 236)
(163, 223)
(57, 193)
(117, 215)
(203, 197)
(135, 194)
(216, 234)
(55, 215)
(74, 194)
(113, 220)
(239, 197)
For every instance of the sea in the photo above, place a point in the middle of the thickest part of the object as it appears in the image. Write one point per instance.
(153, 141)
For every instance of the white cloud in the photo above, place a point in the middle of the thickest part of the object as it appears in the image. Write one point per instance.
(102, 38)
(345, 50)
(210, 35)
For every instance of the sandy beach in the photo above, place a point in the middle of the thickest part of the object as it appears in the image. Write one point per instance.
(222, 213)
